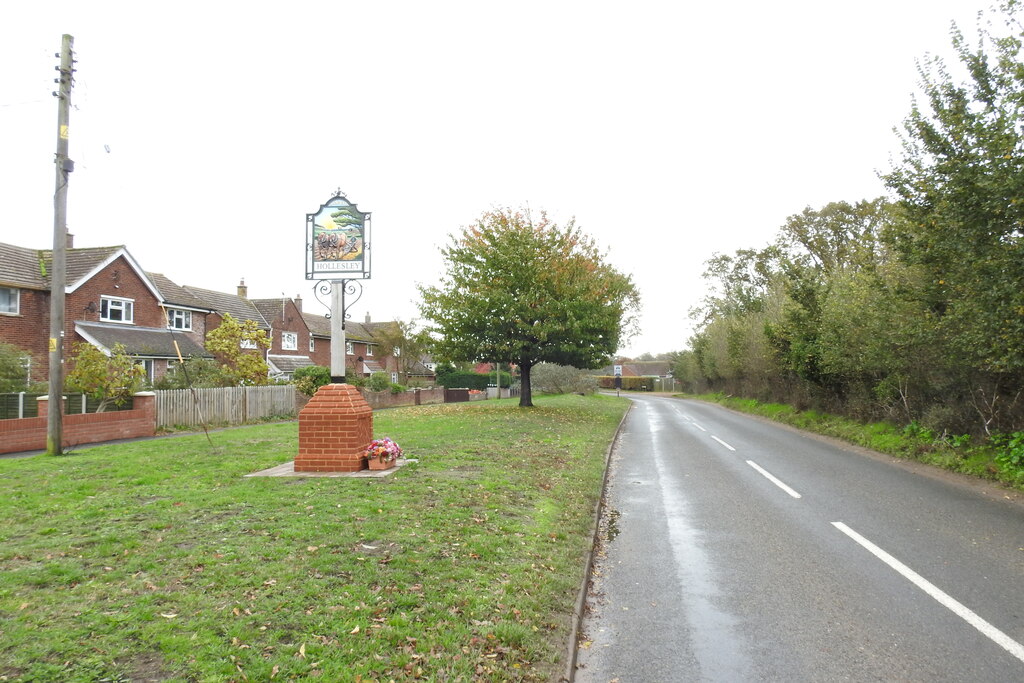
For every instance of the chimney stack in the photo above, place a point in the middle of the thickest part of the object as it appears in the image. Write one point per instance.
(298, 302)
(367, 317)
(69, 240)
(243, 291)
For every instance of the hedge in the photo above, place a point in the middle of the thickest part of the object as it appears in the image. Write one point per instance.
(628, 383)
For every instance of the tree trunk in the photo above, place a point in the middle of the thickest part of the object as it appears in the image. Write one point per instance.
(525, 394)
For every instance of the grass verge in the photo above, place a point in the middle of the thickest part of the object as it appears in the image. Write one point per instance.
(912, 442)
(157, 560)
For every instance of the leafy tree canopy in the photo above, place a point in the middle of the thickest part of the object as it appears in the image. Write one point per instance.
(961, 182)
(520, 292)
(238, 347)
(109, 379)
(13, 368)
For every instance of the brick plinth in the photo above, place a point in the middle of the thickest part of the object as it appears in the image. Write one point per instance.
(335, 429)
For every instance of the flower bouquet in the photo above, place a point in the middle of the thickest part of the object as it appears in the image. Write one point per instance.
(381, 454)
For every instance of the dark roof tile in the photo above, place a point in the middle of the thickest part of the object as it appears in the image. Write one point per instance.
(239, 307)
(140, 341)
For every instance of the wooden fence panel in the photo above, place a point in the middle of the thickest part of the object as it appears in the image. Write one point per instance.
(232, 405)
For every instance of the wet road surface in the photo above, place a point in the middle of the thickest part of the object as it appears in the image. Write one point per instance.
(738, 550)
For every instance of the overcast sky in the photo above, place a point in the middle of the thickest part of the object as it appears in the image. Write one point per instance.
(204, 132)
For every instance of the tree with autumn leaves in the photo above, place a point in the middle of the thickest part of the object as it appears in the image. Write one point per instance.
(523, 292)
(238, 347)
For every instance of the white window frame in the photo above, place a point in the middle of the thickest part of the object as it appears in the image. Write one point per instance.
(312, 344)
(350, 348)
(289, 341)
(369, 350)
(16, 297)
(148, 367)
(176, 314)
(108, 304)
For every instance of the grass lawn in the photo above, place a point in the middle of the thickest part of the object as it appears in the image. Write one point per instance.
(158, 561)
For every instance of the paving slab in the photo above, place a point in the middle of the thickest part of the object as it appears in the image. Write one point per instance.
(288, 470)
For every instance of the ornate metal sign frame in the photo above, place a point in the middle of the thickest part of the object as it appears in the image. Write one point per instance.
(338, 241)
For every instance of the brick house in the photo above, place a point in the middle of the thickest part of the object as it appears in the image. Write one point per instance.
(364, 352)
(109, 300)
(25, 306)
(291, 342)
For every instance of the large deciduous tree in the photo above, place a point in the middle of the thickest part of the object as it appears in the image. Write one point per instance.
(961, 181)
(524, 292)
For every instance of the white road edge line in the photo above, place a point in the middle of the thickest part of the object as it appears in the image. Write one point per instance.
(770, 477)
(722, 442)
(698, 426)
(987, 629)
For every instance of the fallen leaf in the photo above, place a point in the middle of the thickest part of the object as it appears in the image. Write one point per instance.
(354, 631)
(168, 615)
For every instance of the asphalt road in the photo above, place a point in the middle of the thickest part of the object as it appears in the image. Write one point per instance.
(739, 550)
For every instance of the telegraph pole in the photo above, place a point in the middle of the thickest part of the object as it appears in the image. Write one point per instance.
(64, 166)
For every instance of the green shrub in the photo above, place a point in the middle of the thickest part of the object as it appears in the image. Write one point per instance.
(628, 383)
(1010, 453)
(310, 378)
(470, 380)
(379, 381)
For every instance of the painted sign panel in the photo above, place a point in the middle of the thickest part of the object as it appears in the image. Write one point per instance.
(337, 241)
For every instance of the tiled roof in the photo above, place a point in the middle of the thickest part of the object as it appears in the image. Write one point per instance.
(321, 327)
(318, 325)
(174, 294)
(357, 332)
(288, 364)
(33, 268)
(418, 369)
(270, 309)
(240, 308)
(372, 366)
(21, 267)
(81, 262)
(140, 341)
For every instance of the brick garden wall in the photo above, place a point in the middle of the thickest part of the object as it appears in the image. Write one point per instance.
(29, 434)
(413, 397)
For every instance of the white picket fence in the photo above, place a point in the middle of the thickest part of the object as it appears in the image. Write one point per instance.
(234, 405)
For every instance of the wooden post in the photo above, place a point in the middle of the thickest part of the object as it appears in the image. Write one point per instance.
(64, 166)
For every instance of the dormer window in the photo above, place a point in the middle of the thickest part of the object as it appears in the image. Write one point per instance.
(117, 310)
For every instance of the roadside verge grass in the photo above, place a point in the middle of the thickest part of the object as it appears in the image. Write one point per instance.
(157, 560)
(955, 453)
